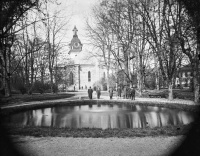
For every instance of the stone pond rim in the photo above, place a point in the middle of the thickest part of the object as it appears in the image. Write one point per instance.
(6, 110)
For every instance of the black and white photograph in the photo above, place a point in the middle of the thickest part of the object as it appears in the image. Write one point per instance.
(100, 78)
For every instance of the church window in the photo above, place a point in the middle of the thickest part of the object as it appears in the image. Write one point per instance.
(71, 78)
(89, 76)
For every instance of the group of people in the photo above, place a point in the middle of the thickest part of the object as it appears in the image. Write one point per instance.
(90, 91)
(126, 93)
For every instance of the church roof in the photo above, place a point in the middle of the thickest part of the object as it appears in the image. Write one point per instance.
(75, 39)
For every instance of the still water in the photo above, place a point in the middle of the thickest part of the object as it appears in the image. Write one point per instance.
(102, 116)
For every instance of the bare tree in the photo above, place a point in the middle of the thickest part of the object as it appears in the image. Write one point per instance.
(159, 19)
(189, 39)
(55, 31)
(100, 37)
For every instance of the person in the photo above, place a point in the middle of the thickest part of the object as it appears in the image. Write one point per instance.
(90, 91)
(119, 91)
(111, 93)
(98, 93)
(132, 93)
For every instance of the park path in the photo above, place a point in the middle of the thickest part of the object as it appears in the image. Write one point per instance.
(82, 95)
(60, 146)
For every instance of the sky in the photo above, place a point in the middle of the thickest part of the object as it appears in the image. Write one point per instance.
(80, 10)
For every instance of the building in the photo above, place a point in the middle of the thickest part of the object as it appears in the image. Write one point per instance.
(86, 71)
(185, 78)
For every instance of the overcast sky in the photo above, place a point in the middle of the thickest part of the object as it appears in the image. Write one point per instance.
(80, 10)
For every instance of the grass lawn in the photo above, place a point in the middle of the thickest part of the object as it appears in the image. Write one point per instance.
(34, 97)
(96, 132)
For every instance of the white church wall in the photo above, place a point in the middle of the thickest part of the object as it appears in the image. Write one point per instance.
(84, 83)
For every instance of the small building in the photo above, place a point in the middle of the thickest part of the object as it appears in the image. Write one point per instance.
(185, 77)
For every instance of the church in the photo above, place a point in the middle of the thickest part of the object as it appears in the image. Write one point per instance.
(86, 72)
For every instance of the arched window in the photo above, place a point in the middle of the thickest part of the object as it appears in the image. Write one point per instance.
(89, 76)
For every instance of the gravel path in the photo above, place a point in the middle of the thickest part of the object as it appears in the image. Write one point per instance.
(57, 146)
(82, 96)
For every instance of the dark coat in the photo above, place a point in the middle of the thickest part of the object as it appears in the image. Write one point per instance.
(90, 91)
(111, 92)
(132, 91)
(98, 91)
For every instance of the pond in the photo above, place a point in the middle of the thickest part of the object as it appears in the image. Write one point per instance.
(102, 116)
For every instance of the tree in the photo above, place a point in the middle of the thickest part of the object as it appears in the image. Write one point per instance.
(54, 27)
(189, 38)
(11, 12)
(162, 19)
(100, 38)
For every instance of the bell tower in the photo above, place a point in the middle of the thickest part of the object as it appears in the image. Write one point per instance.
(75, 44)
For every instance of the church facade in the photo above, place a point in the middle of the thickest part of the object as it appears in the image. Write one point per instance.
(86, 72)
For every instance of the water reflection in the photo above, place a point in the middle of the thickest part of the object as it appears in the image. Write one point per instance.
(102, 116)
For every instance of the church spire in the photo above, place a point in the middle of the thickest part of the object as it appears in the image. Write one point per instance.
(75, 45)
(75, 31)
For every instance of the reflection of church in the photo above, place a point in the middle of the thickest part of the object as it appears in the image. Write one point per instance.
(86, 71)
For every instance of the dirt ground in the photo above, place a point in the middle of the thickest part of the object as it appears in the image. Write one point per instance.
(60, 146)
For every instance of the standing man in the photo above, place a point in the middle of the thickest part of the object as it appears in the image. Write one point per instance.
(119, 92)
(111, 93)
(90, 91)
(132, 93)
(98, 93)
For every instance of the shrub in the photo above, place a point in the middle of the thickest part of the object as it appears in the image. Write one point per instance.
(55, 88)
(22, 89)
(41, 87)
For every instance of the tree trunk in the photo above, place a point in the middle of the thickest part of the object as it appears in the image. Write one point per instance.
(32, 74)
(51, 79)
(5, 70)
(196, 70)
(170, 90)
(196, 90)
(139, 83)
(108, 82)
(6, 84)
(140, 76)
(157, 80)
(42, 74)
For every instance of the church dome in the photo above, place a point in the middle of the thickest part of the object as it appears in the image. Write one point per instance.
(74, 40)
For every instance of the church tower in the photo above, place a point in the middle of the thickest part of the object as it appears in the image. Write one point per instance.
(85, 72)
(75, 45)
